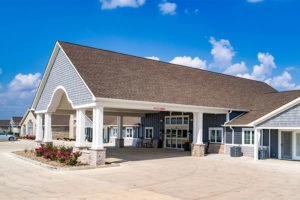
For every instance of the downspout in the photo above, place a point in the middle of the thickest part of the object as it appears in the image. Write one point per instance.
(232, 134)
(227, 120)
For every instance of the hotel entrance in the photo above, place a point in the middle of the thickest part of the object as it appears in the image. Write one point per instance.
(176, 129)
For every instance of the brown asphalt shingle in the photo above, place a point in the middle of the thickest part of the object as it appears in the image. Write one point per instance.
(119, 76)
(264, 104)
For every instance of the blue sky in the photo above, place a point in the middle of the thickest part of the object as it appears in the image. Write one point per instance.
(257, 39)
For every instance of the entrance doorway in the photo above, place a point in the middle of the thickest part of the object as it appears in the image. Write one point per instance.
(176, 131)
(286, 145)
(175, 138)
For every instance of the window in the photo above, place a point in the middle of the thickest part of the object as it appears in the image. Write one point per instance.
(148, 132)
(167, 120)
(30, 128)
(129, 132)
(177, 120)
(114, 132)
(216, 135)
(248, 136)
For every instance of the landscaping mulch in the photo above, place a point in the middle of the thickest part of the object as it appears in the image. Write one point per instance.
(30, 154)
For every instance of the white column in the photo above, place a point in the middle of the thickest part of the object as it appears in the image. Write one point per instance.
(48, 129)
(39, 128)
(256, 143)
(97, 127)
(80, 128)
(198, 128)
(120, 127)
(72, 126)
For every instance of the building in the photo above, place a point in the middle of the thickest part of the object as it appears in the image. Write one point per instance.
(4, 125)
(175, 102)
(59, 125)
(14, 124)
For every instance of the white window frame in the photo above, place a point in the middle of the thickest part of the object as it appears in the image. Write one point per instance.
(112, 130)
(215, 129)
(148, 128)
(252, 132)
(132, 132)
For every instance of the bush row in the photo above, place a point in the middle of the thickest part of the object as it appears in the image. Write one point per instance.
(61, 154)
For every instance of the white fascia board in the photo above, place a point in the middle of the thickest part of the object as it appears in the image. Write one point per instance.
(156, 106)
(45, 76)
(276, 112)
(280, 128)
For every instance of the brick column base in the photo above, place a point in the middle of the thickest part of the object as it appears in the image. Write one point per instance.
(119, 143)
(198, 150)
(97, 157)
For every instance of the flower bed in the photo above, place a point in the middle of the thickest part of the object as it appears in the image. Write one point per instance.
(60, 154)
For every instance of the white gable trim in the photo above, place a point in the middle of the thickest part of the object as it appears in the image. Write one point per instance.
(45, 76)
(44, 80)
(58, 94)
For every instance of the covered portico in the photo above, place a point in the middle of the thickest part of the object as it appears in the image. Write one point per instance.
(61, 103)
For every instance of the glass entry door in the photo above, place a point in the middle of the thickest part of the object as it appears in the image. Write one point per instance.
(175, 138)
(286, 145)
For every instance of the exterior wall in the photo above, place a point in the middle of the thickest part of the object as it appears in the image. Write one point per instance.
(64, 74)
(157, 121)
(212, 120)
(238, 135)
(288, 118)
(127, 141)
(274, 144)
(246, 150)
(216, 148)
(24, 125)
(228, 136)
(60, 132)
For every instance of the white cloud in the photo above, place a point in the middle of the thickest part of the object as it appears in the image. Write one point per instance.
(264, 70)
(284, 81)
(21, 88)
(153, 58)
(112, 4)
(188, 61)
(168, 8)
(254, 1)
(237, 68)
(222, 53)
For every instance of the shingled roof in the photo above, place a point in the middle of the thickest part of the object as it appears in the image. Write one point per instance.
(119, 76)
(264, 104)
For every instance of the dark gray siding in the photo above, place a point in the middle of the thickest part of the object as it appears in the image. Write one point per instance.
(157, 121)
(288, 118)
(212, 120)
(265, 137)
(274, 144)
(237, 135)
(228, 136)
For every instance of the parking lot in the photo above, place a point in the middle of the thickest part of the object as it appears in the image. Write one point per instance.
(150, 174)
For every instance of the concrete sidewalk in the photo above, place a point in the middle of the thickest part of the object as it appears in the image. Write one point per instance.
(166, 174)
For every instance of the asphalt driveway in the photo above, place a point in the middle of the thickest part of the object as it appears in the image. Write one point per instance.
(150, 174)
